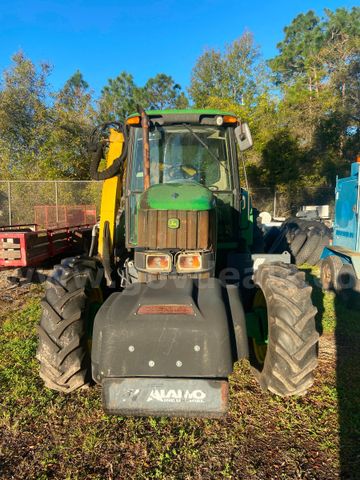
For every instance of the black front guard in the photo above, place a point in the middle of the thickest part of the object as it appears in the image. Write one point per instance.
(165, 331)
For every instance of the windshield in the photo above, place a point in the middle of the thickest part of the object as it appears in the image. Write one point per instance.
(182, 153)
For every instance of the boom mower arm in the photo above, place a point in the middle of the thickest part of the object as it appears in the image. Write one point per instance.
(111, 192)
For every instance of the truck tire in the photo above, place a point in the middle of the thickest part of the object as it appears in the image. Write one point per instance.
(298, 242)
(291, 232)
(312, 242)
(63, 352)
(315, 256)
(291, 353)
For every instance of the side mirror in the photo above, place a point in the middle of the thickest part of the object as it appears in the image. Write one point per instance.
(243, 137)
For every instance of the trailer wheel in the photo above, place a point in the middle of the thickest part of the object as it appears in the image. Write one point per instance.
(330, 273)
(340, 277)
(286, 366)
(72, 296)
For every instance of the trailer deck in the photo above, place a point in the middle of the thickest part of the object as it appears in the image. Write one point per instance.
(28, 246)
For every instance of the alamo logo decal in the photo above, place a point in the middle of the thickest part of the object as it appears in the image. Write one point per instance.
(176, 396)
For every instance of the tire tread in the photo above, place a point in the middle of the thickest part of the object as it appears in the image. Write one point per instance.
(62, 351)
(292, 348)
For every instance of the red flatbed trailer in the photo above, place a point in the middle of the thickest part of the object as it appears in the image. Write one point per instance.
(27, 246)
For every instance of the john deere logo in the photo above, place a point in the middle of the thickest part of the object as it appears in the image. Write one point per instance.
(173, 223)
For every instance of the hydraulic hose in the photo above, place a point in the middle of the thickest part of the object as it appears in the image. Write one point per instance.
(96, 148)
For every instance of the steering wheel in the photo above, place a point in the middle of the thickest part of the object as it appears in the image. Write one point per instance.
(187, 171)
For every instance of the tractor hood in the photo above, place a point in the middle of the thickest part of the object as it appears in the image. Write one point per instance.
(177, 196)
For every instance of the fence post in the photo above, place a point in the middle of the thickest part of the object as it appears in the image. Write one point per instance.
(9, 202)
(274, 206)
(56, 202)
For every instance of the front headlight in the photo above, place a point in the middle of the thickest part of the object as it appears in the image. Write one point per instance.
(157, 263)
(189, 262)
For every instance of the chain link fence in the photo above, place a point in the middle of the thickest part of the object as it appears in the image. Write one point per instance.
(284, 204)
(21, 201)
(26, 202)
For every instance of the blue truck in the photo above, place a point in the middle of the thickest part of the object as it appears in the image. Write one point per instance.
(340, 262)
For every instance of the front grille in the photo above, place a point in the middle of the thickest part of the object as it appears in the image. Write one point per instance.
(195, 230)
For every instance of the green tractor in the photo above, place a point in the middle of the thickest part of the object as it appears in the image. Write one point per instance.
(176, 287)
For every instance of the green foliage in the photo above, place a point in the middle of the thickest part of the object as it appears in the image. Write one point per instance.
(44, 134)
(318, 72)
(230, 75)
(305, 131)
(308, 133)
(121, 96)
(118, 98)
(161, 92)
(298, 51)
(281, 160)
(24, 118)
(318, 55)
(64, 153)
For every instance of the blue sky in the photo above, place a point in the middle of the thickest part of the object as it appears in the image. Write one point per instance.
(142, 37)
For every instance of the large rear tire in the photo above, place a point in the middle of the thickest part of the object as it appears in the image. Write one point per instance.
(71, 296)
(291, 354)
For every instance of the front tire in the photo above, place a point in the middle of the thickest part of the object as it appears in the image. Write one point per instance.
(291, 353)
(70, 297)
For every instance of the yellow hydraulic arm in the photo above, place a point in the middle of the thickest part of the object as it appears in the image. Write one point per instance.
(110, 198)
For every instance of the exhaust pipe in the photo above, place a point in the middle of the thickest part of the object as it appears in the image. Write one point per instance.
(145, 124)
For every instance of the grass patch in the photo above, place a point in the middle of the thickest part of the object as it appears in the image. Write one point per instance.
(334, 316)
(48, 435)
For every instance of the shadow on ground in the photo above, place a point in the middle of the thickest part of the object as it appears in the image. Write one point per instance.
(347, 345)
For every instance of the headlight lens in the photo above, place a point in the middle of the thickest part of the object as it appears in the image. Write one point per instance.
(158, 263)
(189, 262)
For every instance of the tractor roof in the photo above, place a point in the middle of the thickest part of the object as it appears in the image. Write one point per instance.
(185, 115)
(187, 111)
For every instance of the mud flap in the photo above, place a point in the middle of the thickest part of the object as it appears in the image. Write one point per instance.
(185, 397)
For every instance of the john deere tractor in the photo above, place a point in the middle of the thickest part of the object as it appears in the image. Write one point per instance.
(176, 287)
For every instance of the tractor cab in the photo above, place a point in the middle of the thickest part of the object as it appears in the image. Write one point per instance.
(193, 176)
